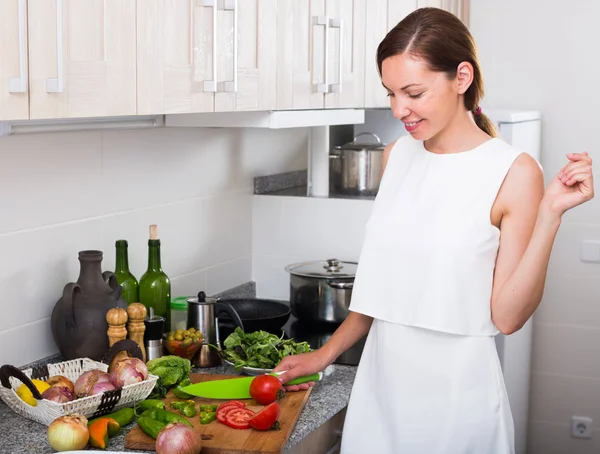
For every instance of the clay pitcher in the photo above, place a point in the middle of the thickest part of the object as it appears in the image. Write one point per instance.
(79, 318)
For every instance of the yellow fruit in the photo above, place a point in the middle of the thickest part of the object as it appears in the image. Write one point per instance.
(25, 395)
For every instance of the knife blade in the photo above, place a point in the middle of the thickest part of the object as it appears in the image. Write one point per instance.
(236, 388)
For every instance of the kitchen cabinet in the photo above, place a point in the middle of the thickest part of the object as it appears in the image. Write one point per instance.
(320, 54)
(206, 55)
(81, 58)
(381, 17)
(324, 440)
(14, 78)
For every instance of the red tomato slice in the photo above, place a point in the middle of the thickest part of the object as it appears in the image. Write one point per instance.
(266, 418)
(239, 418)
(226, 407)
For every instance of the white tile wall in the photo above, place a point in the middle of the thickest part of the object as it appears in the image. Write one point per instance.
(528, 64)
(61, 193)
(291, 229)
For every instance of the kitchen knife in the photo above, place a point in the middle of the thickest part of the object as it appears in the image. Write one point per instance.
(236, 388)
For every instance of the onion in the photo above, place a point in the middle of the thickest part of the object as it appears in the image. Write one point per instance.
(61, 381)
(178, 438)
(60, 394)
(93, 382)
(128, 371)
(68, 433)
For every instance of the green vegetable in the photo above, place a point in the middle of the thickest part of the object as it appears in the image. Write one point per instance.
(123, 416)
(177, 405)
(260, 349)
(189, 409)
(159, 390)
(150, 426)
(171, 370)
(207, 417)
(180, 393)
(208, 408)
(165, 416)
(149, 404)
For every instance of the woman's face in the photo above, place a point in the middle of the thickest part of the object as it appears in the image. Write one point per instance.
(424, 100)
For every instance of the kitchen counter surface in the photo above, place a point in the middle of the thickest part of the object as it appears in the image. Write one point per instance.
(22, 435)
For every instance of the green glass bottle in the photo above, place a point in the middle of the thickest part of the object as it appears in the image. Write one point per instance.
(155, 286)
(124, 277)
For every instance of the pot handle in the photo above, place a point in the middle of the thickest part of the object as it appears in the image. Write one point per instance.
(341, 285)
(221, 306)
(368, 134)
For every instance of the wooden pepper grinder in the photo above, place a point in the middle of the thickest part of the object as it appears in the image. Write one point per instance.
(116, 318)
(135, 326)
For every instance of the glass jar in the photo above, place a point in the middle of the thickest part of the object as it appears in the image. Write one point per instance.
(179, 313)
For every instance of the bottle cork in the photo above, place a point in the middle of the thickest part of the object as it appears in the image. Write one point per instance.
(135, 326)
(154, 232)
(116, 318)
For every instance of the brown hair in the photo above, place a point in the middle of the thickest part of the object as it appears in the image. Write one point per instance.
(443, 41)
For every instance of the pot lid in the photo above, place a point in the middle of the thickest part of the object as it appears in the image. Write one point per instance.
(327, 269)
(358, 146)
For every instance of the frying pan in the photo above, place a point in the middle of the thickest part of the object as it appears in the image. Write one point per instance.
(256, 314)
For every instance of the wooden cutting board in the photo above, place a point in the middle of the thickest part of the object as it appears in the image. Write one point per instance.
(218, 438)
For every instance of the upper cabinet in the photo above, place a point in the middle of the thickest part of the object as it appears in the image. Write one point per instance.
(14, 78)
(206, 55)
(82, 58)
(320, 54)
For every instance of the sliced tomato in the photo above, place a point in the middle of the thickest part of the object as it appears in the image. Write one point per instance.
(226, 407)
(266, 418)
(239, 418)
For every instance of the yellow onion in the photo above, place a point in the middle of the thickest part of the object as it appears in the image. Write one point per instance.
(68, 433)
(61, 381)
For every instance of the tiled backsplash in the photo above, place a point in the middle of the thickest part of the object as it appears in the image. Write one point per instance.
(64, 192)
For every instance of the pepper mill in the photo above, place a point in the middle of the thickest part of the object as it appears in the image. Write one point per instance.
(116, 318)
(153, 337)
(135, 326)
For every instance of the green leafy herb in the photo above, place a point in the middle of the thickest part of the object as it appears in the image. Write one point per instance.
(260, 349)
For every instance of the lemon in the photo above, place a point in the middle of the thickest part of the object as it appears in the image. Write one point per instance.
(26, 396)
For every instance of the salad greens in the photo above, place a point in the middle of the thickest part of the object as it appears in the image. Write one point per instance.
(260, 349)
(171, 370)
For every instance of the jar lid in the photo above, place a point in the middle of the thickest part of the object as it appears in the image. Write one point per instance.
(328, 269)
(179, 303)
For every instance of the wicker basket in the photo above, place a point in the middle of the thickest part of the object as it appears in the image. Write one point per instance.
(47, 411)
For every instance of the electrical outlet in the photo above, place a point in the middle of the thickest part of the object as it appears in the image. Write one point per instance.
(582, 427)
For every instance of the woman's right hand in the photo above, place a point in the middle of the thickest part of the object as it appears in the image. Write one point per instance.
(301, 365)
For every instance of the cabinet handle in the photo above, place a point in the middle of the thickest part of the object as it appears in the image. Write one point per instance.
(211, 85)
(337, 23)
(231, 85)
(324, 21)
(55, 85)
(19, 84)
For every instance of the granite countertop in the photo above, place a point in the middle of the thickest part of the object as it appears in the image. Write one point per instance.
(328, 397)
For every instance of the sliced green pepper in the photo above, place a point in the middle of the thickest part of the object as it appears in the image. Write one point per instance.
(207, 417)
(189, 410)
(208, 408)
(178, 405)
(165, 416)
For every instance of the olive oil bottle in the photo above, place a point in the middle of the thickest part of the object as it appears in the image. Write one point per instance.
(155, 285)
(124, 277)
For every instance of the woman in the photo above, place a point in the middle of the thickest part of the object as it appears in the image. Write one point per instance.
(455, 251)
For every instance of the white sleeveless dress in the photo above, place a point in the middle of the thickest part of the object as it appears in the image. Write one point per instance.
(429, 380)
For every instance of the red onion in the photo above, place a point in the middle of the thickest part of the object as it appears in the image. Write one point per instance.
(60, 394)
(60, 381)
(178, 438)
(93, 382)
(128, 371)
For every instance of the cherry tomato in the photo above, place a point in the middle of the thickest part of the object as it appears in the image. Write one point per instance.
(239, 418)
(266, 418)
(224, 408)
(265, 389)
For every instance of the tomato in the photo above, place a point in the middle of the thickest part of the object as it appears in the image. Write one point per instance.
(239, 418)
(265, 389)
(266, 418)
(226, 407)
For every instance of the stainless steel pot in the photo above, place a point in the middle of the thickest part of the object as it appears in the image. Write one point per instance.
(356, 168)
(320, 291)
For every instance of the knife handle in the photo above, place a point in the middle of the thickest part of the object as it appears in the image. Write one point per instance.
(305, 379)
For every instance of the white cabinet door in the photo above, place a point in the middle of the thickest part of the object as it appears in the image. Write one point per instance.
(175, 42)
(345, 53)
(301, 27)
(14, 79)
(247, 71)
(82, 58)
(382, 16)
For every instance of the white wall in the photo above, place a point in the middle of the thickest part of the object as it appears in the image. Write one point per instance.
(288, 230)
(539, 56)
(65, 192)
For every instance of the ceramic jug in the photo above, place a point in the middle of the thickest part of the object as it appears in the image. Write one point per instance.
(79, 318)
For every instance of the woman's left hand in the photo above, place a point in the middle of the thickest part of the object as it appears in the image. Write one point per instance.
(573, 185)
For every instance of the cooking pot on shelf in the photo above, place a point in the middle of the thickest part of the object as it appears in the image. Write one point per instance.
(355, 168)
(320, 291)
